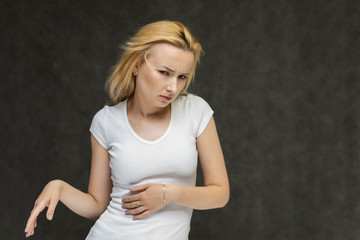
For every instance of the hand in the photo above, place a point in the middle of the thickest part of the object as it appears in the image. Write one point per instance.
(148, 200)
(49, 198)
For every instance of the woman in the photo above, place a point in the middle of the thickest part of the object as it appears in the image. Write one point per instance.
(145, 146)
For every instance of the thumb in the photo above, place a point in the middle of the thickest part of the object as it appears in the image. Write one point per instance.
(140, 188)
(51, 209)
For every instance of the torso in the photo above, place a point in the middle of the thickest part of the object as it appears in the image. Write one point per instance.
(170, 159)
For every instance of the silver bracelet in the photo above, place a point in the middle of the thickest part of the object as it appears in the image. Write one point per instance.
(164, 200)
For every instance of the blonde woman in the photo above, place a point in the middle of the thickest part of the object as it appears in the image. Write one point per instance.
(145, 146)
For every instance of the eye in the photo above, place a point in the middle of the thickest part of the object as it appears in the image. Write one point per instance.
(183, 77)
(163, 72)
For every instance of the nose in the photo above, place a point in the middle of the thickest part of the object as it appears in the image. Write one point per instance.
(172, 85)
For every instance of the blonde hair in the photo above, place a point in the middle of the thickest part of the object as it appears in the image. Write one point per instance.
(121, 83)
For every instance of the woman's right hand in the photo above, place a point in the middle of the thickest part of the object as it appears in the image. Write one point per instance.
(49, 198)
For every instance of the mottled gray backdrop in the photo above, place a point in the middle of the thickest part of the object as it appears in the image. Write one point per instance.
(282, 77)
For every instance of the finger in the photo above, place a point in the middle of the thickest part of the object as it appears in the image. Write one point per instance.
(132, 198)
(31, 223)
(29, 228)
(38, 208)
(51, 209)
(140, 188)
(28, 234)
(132, 205)
(142, 215)
(136, 211)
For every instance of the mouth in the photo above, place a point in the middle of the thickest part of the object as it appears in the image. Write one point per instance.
(166, 98)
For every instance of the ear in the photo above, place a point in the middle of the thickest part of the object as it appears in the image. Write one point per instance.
(135, 71)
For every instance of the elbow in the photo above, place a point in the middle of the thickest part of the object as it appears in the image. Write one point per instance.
(97, 214)
(227, 199)
(99, 209)
(224, 198)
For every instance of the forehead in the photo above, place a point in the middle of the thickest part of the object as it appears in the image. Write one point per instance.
(164, 54)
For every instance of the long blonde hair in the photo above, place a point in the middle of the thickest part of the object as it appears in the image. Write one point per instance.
(121, 83)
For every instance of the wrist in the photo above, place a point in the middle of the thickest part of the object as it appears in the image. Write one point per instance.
(170, 194)
(164, 194)
(57, 183)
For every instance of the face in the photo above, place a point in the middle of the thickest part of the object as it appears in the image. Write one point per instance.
(162, 77)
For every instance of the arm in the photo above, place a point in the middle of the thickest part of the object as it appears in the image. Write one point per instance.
(89, 205)
(92, 204)
(214, 194)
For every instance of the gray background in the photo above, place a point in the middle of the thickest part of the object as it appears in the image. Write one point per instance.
(282, 77)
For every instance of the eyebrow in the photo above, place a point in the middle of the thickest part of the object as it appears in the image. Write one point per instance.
(170, 70)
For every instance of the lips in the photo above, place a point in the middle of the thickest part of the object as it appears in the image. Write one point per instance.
(167, 98)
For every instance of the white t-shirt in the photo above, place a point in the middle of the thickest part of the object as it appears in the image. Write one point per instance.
(171, 159)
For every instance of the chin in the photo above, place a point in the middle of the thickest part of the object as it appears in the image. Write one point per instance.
(164, 104)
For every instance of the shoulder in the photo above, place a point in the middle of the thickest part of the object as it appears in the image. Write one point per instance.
(190, 98)
(196, 111)
(192, 101)
(107, 112)
(192, 106)
(102, 121)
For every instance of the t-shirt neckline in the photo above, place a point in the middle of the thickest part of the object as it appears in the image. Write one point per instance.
(142, 139)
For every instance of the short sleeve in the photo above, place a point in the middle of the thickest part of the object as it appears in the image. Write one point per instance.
(98, 127)
(202, 114)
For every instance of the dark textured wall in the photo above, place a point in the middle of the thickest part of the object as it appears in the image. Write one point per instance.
(282, 77)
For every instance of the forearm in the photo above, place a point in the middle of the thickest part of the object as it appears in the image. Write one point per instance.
(83, 204)
(201, 198)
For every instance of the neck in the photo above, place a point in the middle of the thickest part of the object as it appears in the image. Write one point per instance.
(138, 108)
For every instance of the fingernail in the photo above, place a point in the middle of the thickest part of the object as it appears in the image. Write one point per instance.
(50, 217)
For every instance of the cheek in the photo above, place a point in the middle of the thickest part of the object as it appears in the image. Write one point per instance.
(181, 85)
(149, 81)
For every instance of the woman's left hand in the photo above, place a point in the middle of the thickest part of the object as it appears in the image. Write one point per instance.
(147, 200)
